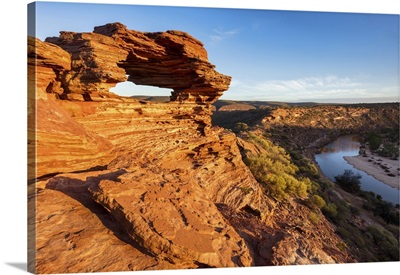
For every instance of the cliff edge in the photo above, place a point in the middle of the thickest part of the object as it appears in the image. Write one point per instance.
(120, 184)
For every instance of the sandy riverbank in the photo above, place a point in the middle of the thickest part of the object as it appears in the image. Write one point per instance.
(375, 165)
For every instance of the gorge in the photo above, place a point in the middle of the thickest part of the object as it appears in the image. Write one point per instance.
(119, 184)
(332, 161)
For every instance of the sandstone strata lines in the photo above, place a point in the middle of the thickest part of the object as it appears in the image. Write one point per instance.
(123, 184)
(171, 59)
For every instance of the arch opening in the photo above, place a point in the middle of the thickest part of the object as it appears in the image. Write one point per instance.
(143, 92)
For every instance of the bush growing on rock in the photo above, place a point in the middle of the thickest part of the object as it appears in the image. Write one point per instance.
(349, 181)
(330, 210)
(318, 201)
(241, 126)
(275, 171)
(313, 217)
(374, 140)
(385, 241)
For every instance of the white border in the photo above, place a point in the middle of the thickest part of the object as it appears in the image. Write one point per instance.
(13, 127)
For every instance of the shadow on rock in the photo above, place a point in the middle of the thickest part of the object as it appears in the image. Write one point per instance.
(78, 190)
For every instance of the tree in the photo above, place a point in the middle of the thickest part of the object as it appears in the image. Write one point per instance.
(375, 141)
(349, 181)
(389, 150)
(241, 126)
(387, 212)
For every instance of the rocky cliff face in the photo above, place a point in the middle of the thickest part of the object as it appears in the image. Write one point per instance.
(310, 128)
(171, 59)
(121, 184)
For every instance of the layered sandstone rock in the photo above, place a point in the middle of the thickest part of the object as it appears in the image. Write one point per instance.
(290, 239)
(172, 219)
(56, 141)
(171, 59)
(47, 64)
(122, 184)
(75, 234)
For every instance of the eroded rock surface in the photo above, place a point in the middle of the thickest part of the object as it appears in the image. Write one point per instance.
(121, 184)
(171, 59)
(172, 219)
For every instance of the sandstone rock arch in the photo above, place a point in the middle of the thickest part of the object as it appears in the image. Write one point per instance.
(134, 183)
(171, 59)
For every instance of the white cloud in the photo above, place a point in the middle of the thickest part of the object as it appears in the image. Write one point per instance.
(220, 35)
(236, 83)
(391, 90)
(309, 84)
(311, 88)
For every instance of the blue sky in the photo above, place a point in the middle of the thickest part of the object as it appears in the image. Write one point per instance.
(271, 54)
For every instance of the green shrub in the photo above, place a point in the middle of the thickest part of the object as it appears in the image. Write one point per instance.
(241, 126)
(330, 211)
(354, 211)
(313, 217)
(275, 171)
(386, 210)
(344, 233)
(389, 150)
(374, 140)
(349, 181)
(386, 242)
(318, 201)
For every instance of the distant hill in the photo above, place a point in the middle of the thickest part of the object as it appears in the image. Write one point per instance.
(233, 105)
(151, 98)
(237, 105)
(311, 126)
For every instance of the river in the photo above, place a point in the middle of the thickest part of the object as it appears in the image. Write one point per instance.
(332, 163)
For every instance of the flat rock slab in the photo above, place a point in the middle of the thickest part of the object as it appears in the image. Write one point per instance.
(172, 220)
(75, 234)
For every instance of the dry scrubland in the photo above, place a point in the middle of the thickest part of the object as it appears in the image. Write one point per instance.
(367, 224)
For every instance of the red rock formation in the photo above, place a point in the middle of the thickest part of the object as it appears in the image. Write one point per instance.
(172, 219)
(56, 142)
(132, 184)
(171, 59)
(48, 63)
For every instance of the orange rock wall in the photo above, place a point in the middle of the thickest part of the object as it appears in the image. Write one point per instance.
(118, 184)
(171, 59)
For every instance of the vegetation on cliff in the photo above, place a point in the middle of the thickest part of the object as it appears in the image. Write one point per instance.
(274, 169)
(384, 143)
(290, 136)
(105, 167)
(349, 182)
(146, 185)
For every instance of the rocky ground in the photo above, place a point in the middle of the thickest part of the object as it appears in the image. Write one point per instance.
(118, 184)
